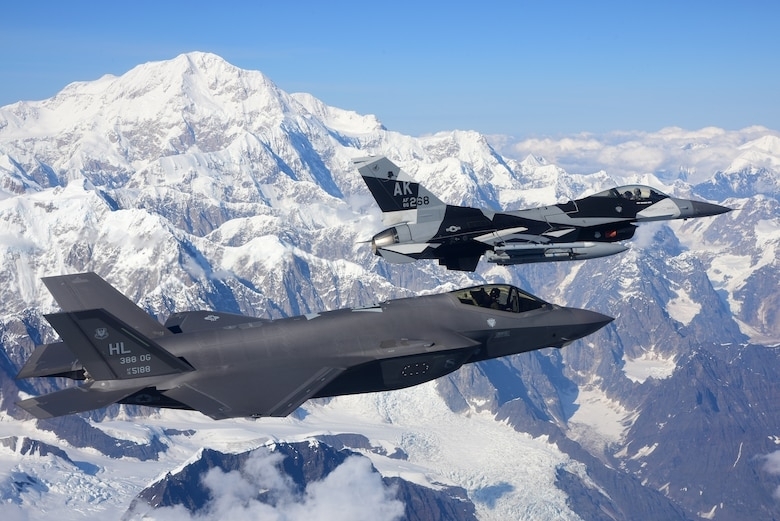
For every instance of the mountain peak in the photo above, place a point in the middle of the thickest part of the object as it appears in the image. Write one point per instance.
(153, 110)
(195, 82)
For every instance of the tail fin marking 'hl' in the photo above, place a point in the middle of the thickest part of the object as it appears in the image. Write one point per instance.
(109, 349)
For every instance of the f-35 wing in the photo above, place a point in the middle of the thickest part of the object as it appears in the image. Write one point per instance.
(269, 391)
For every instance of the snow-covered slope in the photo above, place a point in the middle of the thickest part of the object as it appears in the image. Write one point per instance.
(191, 183)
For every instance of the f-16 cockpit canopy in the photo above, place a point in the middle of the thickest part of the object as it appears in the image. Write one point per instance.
(633, 193)
(502, 297)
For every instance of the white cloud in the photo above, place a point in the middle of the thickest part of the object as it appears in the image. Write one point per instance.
(772, 466)
(353, 491)
(772, 462)
(644, 236)
(665, 153)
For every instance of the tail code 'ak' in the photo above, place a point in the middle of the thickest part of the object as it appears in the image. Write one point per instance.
(400, 198)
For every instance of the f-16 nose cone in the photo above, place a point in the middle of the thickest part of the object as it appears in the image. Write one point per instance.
(702, 209)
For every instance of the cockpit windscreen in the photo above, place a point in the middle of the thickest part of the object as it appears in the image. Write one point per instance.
(633, 193)
(502, 297)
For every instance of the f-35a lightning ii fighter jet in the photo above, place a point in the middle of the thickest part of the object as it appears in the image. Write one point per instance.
(424, 227)
(226, 365)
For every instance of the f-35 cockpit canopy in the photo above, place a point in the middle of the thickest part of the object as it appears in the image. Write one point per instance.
(502, 297)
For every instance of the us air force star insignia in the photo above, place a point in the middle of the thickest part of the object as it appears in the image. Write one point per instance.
(101, 333)
(491, 322)
(211, 318)
(453, 229)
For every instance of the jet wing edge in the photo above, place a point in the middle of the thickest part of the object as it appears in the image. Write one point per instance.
(214, 402)
(73, 400)
(305, 391)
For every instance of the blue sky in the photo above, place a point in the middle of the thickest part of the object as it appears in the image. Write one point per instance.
(513, 67)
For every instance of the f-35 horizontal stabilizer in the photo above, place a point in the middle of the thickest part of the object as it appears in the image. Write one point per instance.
(109, 349)
(52, 360)
(73, 400)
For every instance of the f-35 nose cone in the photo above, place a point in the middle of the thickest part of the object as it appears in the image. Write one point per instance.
(584, 322)
(570, 324)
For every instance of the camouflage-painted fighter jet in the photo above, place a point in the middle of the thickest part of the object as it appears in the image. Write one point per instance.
(424, 227)
(226, 365)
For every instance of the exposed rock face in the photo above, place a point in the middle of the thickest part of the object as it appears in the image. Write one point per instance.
(290, 472)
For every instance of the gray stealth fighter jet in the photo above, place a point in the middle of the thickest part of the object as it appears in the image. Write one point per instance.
(458, 236)
(226, 365)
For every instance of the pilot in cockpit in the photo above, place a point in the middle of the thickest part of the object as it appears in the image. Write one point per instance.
(494, 295)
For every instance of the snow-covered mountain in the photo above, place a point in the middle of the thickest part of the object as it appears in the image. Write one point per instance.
(191, 183)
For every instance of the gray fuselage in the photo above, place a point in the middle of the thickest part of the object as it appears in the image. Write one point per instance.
(397, 344)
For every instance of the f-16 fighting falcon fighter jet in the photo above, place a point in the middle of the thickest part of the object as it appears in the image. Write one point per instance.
(226, 365)
(424, 227)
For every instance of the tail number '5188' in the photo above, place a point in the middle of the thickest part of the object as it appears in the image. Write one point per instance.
(139, 369)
